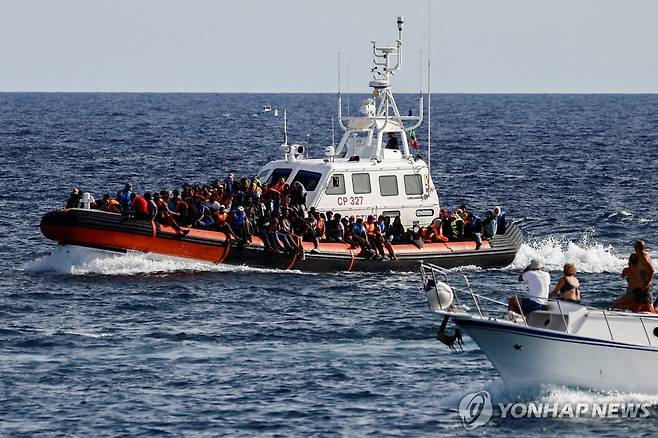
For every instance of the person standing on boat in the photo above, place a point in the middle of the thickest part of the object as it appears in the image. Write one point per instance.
(539, 282)
(392, 142)
(646, 272)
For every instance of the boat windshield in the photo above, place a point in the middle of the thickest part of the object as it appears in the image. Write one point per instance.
(277, 174)
(308, 179)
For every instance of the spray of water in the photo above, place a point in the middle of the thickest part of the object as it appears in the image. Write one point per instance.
(75, 260)
(588, 256)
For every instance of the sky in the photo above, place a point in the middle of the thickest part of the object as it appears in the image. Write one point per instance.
(477, 46)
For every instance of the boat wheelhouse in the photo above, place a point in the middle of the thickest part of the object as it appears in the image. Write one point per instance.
(367, 173)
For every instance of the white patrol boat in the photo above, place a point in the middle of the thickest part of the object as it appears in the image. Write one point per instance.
(370, 172)
(565, 344)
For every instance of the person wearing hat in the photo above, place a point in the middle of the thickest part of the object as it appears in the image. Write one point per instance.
(240, 225)
(539, 282)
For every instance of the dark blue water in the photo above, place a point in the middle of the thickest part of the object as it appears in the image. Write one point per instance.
(97, 344)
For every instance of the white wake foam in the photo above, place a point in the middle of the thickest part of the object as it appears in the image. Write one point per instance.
(587, 255)
(76, 260)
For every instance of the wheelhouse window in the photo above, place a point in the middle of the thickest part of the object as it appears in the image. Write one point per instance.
(262, 175)
(388, 185)
(425, 212)
(361, 183)
(336, 184)
(278, 174)
(392, 213)
(413, 184)
(308, 179)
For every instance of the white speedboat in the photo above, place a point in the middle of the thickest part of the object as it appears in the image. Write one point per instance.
(566, 344)
(267, 108)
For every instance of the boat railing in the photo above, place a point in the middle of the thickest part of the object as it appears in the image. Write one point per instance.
(459, 285)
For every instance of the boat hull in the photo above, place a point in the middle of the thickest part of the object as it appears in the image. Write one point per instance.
(526, 356)
(97, 229)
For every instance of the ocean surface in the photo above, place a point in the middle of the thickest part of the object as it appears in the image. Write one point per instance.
(95, 344)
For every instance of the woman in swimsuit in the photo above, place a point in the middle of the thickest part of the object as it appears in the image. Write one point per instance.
(568, 287)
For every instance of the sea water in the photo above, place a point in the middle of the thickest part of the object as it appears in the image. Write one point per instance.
(97, 343)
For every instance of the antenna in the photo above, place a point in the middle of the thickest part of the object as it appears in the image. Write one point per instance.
(420, 73)
(285, 126)
(333, 132)
(429, 82)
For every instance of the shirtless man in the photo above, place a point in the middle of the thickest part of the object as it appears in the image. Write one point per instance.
(645, 267)
(639, 275)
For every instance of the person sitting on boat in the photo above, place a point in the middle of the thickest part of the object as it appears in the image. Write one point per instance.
(109, 204)
(320, 225)
(75, 198)
(379, 236)
(539, 282)
(360, 237)
(166, 216)
(124, 196)
(181, 207)
(373, 235)
(240, 225)
(151, 205)
(392, 142)
(436, 232)
(297, 195)
(279, 240)
(473, 229)
(285, 226)
(567, 287)
(645, 266)
(396, 232)
(204, 219)
(455, 226)
(220, 222)
(336, 229)
(489, 225)
(229, 181)
(139, 206)
(638, 294)
(311, 230)
(501, 220)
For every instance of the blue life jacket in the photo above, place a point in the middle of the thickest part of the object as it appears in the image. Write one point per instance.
(206, 219)
(124, 198)
(239, 218)
(359, 230)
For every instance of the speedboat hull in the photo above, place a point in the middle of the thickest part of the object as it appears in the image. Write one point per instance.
(527, 356)
(97, 229)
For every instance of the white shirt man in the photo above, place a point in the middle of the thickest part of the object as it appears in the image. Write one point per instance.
(539, 283)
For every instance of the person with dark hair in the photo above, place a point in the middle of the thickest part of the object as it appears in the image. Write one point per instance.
(109, 204)
(74, 198)
(139, 206)
(124, 196)
(396, 232)
(392, 142)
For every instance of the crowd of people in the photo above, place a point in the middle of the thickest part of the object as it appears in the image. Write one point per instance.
(638, 275)
(277, 213)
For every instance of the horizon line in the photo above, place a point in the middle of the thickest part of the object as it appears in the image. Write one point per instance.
(326, 92)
